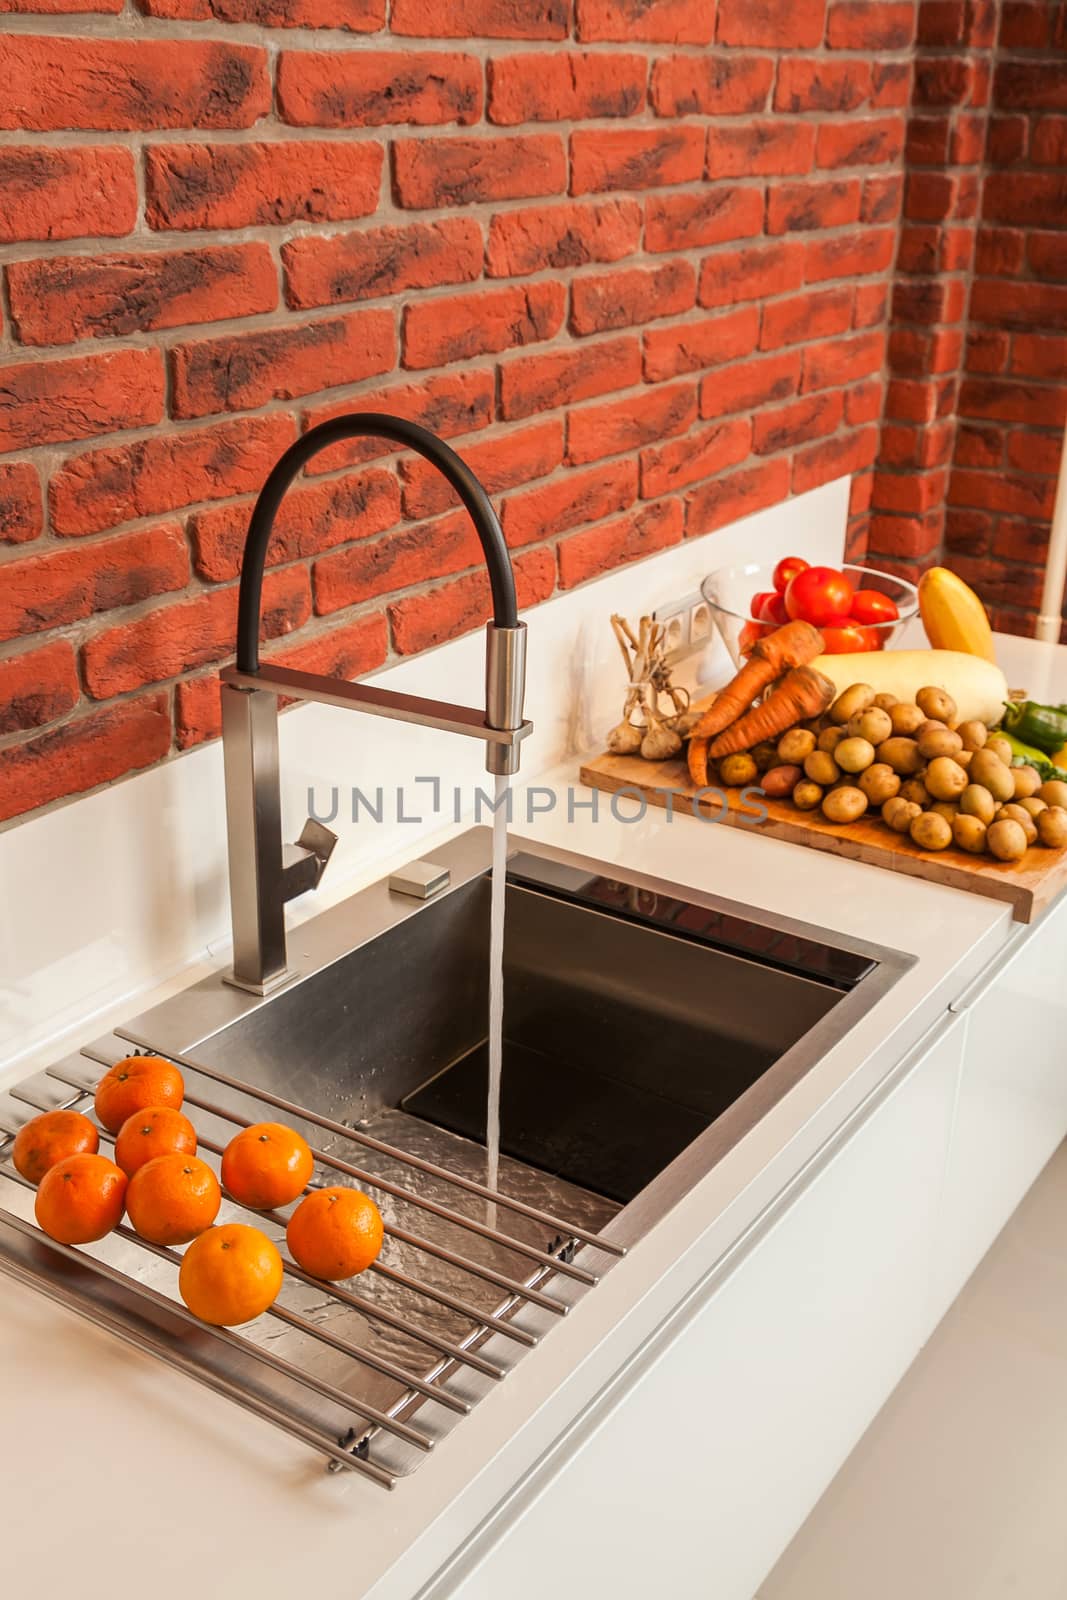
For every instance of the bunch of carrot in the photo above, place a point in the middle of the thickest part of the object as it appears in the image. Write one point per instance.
(778, 663)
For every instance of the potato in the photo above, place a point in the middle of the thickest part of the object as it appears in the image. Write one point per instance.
(879, 783)
(934, 740)
(854, 755)
(1000, 747)
(830, 738)
(765, 755)
(899, 813)
(1006, 840)
(905, 719)
(1033, 805)
(969, 832)
(806, 795)
(963, 757)
(931, 832)
(821, 767)
(795, 745)
(916, 791)
(987, 769)
(900, 754)
(885, 702)
(1053, 793)
(1052, 827)
(1014, 813)
(777, 782)
(974, 734)
(938, 704)
(945, 808)
(737, 770)
(1027, 781)
(945, 779)
(844, 804)
(854, 699)
(873, 725)
(978, 802)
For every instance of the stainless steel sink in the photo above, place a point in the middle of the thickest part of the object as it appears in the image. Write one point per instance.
(647, 1028)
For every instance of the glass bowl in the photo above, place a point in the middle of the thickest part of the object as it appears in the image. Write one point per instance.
(729, 592)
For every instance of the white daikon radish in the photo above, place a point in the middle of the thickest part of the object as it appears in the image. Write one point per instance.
(978, 687)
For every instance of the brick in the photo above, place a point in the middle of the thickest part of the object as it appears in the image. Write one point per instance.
(864, 402)
(37, 687)
(356, 16)
(1030, 86)
(40, 592)
(930, 300)
(927, 139)
(637, 158)
(736, 495)
(245, 185)
(943, 81)
(1029, 198)
(370, 88)
(1036, 452)
(841, 361)
(929, 249)
(813, 315)
(21, 513)
(560, 377)
(919, 400)
(343, 652)
(1047, 254)
(870, 25)
(890, 83)
(750, 384)
(486, 19)
(653, 21)
(707, 342)
(52, 193)
(796, 423)
(752, 273)
(838, 457)
(454, 172)
(102, 488)
(239, 371)
(421, 621)
(851, 255)
(859, 501)
(83, 754)
(703, 453)
(311, 519)
(47, 402)
(437, 332)
(710, 86)
(179, 637)
(603, 301)
(1019, 305)
(908, 446)
(860, 142)
(1008, 138)
(757, 148)
(574, 499)
(92, 297)
(63, 7)
(821, 84)
(457, 402)
(901, 536)
(987, 350)
(882, 199)
(639, 533)
(521, 242)
(502, 463)
(978, 447)
(52, 83)
(1048, 147)
(565, 87)
(912, 351)
(397, 561)
(716, 215)
(1025, 23)
(1039, 355)
(323, 269)
(625, 425)
(772, 24)
(802, 207)
(916, 492)
(949, 22)
(1014, 492)
(1000, 252)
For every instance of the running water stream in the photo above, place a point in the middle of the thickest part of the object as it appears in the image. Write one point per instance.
(496, 977)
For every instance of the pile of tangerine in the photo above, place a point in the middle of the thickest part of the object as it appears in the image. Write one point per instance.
(229, 1274)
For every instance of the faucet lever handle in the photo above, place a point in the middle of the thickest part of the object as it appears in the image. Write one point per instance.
(307, 860)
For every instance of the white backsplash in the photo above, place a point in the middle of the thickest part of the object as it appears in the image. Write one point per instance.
(113, 893)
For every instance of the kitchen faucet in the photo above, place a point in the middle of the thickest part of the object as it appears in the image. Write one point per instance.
(265, 874)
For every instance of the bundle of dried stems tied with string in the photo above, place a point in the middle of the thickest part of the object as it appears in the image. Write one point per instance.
(646, 726)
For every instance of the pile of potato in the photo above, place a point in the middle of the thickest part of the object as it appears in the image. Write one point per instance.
(939, 782)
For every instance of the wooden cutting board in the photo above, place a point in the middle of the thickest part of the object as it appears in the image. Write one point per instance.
(1027, 885)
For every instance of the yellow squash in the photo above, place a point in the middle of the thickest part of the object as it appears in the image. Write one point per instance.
(953, 615)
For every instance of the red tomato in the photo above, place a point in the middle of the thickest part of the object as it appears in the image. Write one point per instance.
(849, 638)
(773, 610)
(820, 595)
(870, 606)
(759, 601)
(786, 569)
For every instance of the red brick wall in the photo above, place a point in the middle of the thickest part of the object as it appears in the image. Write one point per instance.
(633, 256)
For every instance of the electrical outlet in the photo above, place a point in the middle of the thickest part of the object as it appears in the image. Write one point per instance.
(675, 620)
(699, 625)
(674, 633)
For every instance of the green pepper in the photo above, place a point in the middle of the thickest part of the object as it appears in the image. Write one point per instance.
(1045, 727)
(1024, 755)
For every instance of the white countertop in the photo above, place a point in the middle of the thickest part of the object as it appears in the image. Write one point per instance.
(107, 1451)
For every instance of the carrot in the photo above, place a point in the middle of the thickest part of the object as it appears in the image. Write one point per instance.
(802, 693)
(697, 757)
(792, 646)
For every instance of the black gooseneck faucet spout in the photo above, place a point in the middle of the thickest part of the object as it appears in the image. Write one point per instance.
(263, 874)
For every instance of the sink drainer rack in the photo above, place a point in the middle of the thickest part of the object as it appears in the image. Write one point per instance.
(524, 1286)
